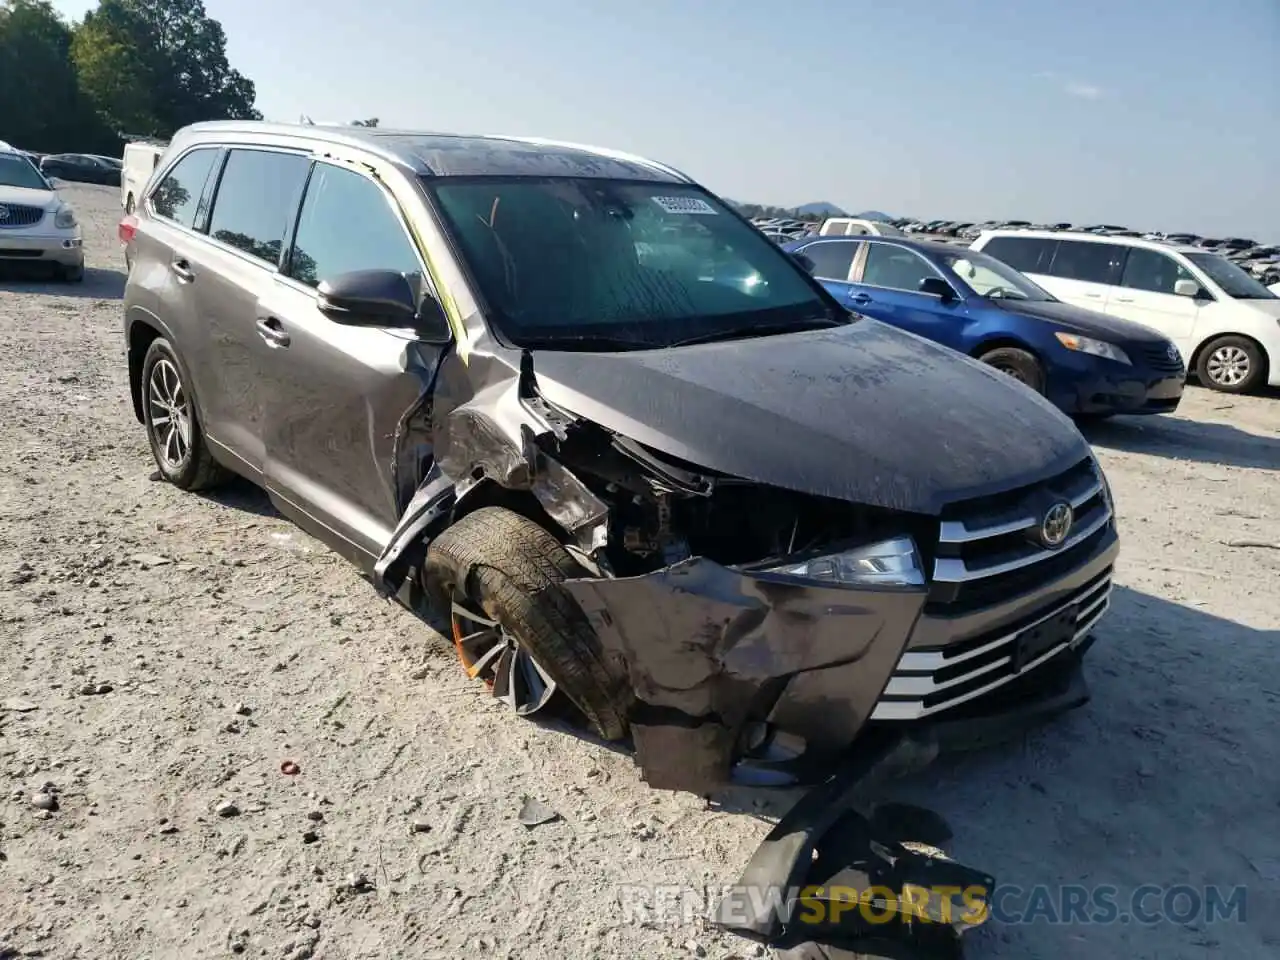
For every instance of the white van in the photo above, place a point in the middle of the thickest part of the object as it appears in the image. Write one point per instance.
(140, 159)
(1225, 323)
(854, 227)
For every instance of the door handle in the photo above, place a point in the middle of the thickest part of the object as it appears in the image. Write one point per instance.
(1124, 299)
(182, 270)
(273, 332)
(1094, 296)
(859, 298)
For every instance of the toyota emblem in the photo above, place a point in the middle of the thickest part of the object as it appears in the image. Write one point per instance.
(1174, 354)
(1056, 526)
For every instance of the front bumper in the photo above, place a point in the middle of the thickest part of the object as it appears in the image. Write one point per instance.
(739, 677)
(1132, 390)
(63, 247)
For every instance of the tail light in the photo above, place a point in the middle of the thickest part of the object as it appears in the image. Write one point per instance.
(128, 227)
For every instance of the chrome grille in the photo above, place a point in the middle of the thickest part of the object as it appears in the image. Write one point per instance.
(988, 550)
(16, 215)
(930, 681)
(1161, 357)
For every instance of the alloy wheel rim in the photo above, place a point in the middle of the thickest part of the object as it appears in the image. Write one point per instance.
(170, 414)
(1228, 366)
(487, 651)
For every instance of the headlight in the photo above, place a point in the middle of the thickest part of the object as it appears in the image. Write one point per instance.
(1096, 348)
(893, 562)
(65, 218)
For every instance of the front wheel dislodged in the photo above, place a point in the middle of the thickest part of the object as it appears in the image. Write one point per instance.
(514, 625)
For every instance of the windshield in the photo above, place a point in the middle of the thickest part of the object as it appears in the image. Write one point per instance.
(990, 277)
(16, 171)
(1235, 283)
(622, 263)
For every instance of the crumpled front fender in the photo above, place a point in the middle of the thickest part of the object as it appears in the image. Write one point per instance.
(707, 649)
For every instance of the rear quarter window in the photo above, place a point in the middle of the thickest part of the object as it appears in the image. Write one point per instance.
(177, 196)
(1024, 254)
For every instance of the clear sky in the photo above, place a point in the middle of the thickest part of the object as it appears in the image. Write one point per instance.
(1153, 114)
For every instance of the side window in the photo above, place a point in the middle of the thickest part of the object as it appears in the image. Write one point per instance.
(178, 194)
(256, 201)
(1091, 262)
(1153, 271)
(348, 224)
(1024, 254)
(895, 268)
(832, 260)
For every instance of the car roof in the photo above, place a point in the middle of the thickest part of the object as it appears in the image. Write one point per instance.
(922, 246)
(452, 155)
(1095, 238)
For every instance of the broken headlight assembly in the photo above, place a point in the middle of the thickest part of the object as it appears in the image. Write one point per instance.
(892, 563)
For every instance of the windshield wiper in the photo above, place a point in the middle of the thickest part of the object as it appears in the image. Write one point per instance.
(594, 341)
(763, 330)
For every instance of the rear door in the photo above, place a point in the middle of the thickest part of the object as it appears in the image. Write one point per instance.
(1084, 272)
(1145, 295)
(252, 212)
(887, 287)
(338, 392)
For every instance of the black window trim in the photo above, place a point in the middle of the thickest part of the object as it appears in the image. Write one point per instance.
(202, 204)
(291, 237)
(204, 211)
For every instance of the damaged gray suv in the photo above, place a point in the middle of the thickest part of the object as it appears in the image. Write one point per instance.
(652, 474)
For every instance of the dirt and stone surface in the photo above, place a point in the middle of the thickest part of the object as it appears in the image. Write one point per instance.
(216, 740)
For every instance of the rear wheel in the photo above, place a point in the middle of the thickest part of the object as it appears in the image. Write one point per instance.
(1019, 364)
(514, 625)
(1231, 364)
(173, 426)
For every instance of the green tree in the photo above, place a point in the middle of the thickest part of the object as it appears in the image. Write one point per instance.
(41, 104)
(371, 122)
(117, 76)
(171, 47)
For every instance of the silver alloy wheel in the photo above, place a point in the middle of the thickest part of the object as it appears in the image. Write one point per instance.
(1228, 365)
(170, 414)
(489, 652)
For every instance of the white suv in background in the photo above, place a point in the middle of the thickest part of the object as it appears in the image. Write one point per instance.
(1225, 323)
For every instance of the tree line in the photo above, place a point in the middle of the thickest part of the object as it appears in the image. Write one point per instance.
(129, 69)
(756, 211)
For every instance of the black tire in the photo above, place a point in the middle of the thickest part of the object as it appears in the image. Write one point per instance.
(511, 568)
(1222, 360)
(71, 274)
(1019, 364)
(195, 469)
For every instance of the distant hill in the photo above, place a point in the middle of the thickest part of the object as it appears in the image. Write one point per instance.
(873, 215)
(821, 209)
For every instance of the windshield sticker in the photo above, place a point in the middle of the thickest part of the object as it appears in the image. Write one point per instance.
(684, 205)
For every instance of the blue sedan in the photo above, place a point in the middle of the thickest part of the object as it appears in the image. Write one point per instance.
(1087, 364)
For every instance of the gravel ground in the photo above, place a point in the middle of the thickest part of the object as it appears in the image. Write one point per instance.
(166, 653)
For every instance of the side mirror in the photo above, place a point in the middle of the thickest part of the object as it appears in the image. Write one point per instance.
(383, 298)
(1187, 288)
(806, 263)
(937, 287)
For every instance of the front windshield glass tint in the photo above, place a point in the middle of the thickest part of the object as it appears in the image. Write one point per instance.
(16, 171)
(1234, 282)
(991, 278)
(646, 264)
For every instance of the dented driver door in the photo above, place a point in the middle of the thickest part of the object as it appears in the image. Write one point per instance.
(340, 391)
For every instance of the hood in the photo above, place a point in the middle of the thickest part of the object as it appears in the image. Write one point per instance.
(1087, 323)
(1270, 308)
(26, 196)
(864, 413)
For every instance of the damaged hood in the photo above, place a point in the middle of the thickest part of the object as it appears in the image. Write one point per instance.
(864, 413)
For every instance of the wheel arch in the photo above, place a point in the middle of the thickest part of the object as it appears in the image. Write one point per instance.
(140, 337)
(1193, 365)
